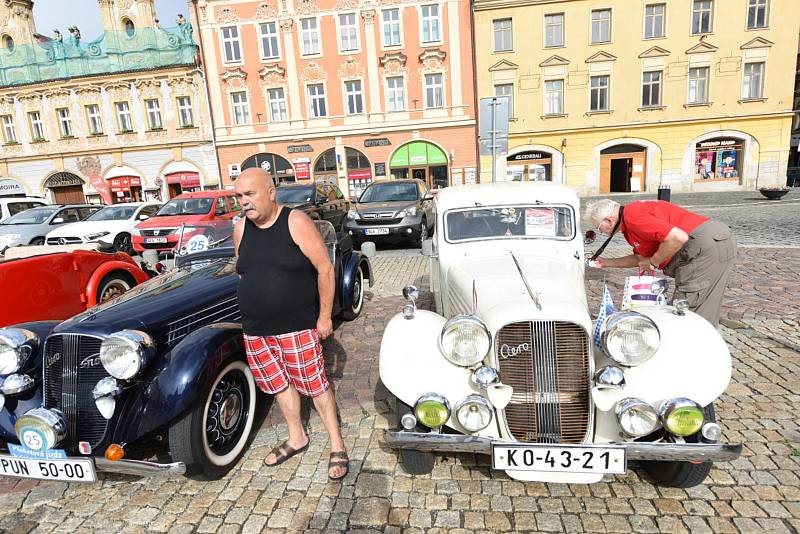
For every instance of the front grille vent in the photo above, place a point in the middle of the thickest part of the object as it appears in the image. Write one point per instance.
(227, 310)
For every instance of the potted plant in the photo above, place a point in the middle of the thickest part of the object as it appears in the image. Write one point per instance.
(773, 192)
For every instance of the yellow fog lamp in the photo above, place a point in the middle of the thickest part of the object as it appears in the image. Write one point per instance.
(682, 417)
(432, 410)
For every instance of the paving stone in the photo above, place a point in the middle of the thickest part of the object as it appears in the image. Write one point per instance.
(370, 511)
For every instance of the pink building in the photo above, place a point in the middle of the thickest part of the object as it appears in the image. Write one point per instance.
(345, 90)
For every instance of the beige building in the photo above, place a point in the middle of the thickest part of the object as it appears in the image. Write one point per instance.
(630, 95)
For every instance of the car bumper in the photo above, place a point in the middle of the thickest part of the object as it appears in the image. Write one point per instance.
(140, 245)
(409, 228)
(140, 467)
(680, 452)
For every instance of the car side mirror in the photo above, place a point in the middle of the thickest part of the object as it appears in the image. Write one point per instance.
(427, 248)
(143, 217)
(589, 237)
(427, 198)
(57, 220)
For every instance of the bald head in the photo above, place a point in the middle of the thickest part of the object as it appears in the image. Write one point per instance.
(256, 176)
(256, 193)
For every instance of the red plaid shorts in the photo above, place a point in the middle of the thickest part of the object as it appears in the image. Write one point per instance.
(296, 358)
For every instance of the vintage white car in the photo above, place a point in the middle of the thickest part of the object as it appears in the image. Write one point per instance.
(507, 367)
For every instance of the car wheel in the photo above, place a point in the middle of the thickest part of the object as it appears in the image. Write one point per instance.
(357, 301)
(122, 243)
(113, 285)
(213, 436)
(414, 462)
(37, 241)
(681, 474)
(423, 232)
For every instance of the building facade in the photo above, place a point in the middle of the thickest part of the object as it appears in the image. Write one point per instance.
(621, 96)
(123, 117)
(348, 91)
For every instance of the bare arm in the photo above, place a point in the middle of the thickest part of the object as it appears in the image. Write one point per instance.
(304, 232)
(625, 261)
(674, 241)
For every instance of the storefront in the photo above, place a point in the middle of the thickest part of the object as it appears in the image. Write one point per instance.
(67, 188)
(276, 166)
(125, 189)
(530, 166)
(11, 188)
(423, 161)
(718, 159)
(182, 182)
(356, 166)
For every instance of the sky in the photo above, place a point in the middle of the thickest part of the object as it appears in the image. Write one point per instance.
(61, 14)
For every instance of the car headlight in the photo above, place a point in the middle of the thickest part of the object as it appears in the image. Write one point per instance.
(16, 346)
(630, 338)
(408, 212)
(682, 417)
(474, 413)
(135, 231)
(16, 384)
(352, 214)
(636, 417)
(96, 235)
(125, 353)
(432, 410)
(465, 340)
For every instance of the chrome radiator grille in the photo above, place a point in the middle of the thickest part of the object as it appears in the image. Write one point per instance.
(71, 369)
(547, 364)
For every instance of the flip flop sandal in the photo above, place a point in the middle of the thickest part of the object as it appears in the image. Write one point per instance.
(283, 452)
(339, 459)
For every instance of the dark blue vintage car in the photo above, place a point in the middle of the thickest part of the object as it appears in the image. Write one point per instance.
(165, 361)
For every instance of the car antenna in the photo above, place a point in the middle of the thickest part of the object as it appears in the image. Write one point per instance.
(532, 292)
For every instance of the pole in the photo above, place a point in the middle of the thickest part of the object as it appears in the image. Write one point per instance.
(494, 140)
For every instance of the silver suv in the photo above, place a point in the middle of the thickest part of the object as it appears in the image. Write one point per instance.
(29, 227)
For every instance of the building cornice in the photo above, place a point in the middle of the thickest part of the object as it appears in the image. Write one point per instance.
(486, 5)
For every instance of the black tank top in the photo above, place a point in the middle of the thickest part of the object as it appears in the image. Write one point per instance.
(278, 287)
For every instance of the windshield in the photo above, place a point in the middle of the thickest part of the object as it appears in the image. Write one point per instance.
(194, 238)
(501, 222)
(186, 206)
(31, 216)
(388, 192)
(294, 195)
(113, 213)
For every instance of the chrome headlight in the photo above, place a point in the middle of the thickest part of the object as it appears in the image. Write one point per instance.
(636, 417)
(408, 212)
(16, 384)
(16, 346)
(485, 376)
(105, 393)
(432, 410)
(41, 429)
(630, 338)
(474, 413)
(465, 340)
(125, 353)
(682, 417)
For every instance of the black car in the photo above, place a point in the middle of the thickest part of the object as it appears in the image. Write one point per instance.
(321, 201)
(394, 211)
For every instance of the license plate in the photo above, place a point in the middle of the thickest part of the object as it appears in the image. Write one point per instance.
(155, 239)
(69, 470)
(376, 231)
(559, 459)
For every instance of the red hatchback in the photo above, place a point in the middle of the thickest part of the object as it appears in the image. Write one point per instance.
(162, 232)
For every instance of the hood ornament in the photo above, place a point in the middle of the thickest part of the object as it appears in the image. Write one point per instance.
(532, 292)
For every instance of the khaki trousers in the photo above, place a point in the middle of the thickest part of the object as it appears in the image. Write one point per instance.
(701, 269)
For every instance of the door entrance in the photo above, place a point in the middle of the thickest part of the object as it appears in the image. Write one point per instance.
(623, 169)
(620, 175)
(420, 174)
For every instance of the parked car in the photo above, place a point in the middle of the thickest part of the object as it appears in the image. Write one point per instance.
(56, 282)
(164, 360)
(399, 210)
(162, 231)
(13, 205)
(506, 365)
(30, 227)
(110, 226)
(321, 201)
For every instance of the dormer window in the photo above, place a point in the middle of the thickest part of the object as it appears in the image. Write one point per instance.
(130, 28)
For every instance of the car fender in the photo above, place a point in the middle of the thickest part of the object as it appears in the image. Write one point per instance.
(349, 273)
(175, 386)
(93, 285)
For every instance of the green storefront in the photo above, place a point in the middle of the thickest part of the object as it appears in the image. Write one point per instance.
(421, 160)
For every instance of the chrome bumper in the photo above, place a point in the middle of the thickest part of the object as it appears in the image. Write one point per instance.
(139, 467)
(682, 452)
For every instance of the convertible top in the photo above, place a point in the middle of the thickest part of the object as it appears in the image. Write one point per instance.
(15, 253)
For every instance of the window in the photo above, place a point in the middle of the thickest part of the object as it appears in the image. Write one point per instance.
(9, 134)
(654, 18)
(757, 11)
(554, 97)
(506, 89)
(434, 91)
(702, 18)
(753, 81)
(391, 27)
(316, 99)
(698, 85)
(554, 30)
(502, 35)
(309, 37)
(231, 44)
(130, 27)
(430, 23)
(241, 108)
(153, 107)
(124, 117)
(277, 104)
(598, 100)
(355, 100)
(651, 89)
(269, 40)
(601, 26)
(396, 93)
(95, 120)
(37, 128)
(185, 116)
(64, 122)
(348, 32)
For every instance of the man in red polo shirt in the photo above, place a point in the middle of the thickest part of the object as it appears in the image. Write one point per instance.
(693, 249)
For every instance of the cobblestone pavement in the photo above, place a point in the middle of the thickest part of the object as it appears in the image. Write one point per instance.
(760, 492)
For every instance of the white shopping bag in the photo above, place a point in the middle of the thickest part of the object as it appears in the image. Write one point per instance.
(639, 292)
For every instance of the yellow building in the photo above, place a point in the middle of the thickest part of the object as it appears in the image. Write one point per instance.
(630, 95)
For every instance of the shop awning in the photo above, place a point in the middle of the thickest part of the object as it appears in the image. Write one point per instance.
(418, 153)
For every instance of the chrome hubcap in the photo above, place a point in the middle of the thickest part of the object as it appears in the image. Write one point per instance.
(226, 416)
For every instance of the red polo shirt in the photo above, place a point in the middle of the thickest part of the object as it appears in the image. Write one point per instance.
(646, 223)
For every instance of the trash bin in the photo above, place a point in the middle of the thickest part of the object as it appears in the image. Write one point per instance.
(663, 193)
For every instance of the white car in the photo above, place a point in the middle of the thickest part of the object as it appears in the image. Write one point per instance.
(506, 365)
(110, 226)
(12, 205)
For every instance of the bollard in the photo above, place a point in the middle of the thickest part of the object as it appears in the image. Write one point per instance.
(663, 193)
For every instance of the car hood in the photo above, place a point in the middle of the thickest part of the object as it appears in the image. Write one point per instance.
(172, 221)
(497, 286)
(396, 205)
(89, 227)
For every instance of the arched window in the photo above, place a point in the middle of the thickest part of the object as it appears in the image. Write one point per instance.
(130, 29)
(276, 166)
(8, 42)
(356, 160)
(326, 162)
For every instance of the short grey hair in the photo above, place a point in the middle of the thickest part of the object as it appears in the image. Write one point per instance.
(600, 209)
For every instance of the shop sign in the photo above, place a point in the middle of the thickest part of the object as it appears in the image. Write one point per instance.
(63, 179)
(358, 181)
(11, 187)
(233, 170)
(718, 143)
(302, 168)
(187, 180)
(380, 141)
(380, 169)
(124, 183)
(524, 156)
(294, 149)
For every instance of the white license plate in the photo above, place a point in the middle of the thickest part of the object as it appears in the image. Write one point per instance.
(376, 231)
(558, 459)
(155, 239)
(69, 470)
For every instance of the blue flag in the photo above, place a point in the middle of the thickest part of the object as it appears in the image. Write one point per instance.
(606, 309)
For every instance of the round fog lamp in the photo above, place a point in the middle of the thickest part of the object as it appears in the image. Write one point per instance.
(636, 417)
(474, 413)
(41, 429)
(682, 417)
(432, 410)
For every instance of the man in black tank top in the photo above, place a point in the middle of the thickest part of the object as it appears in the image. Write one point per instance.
(285, 295)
